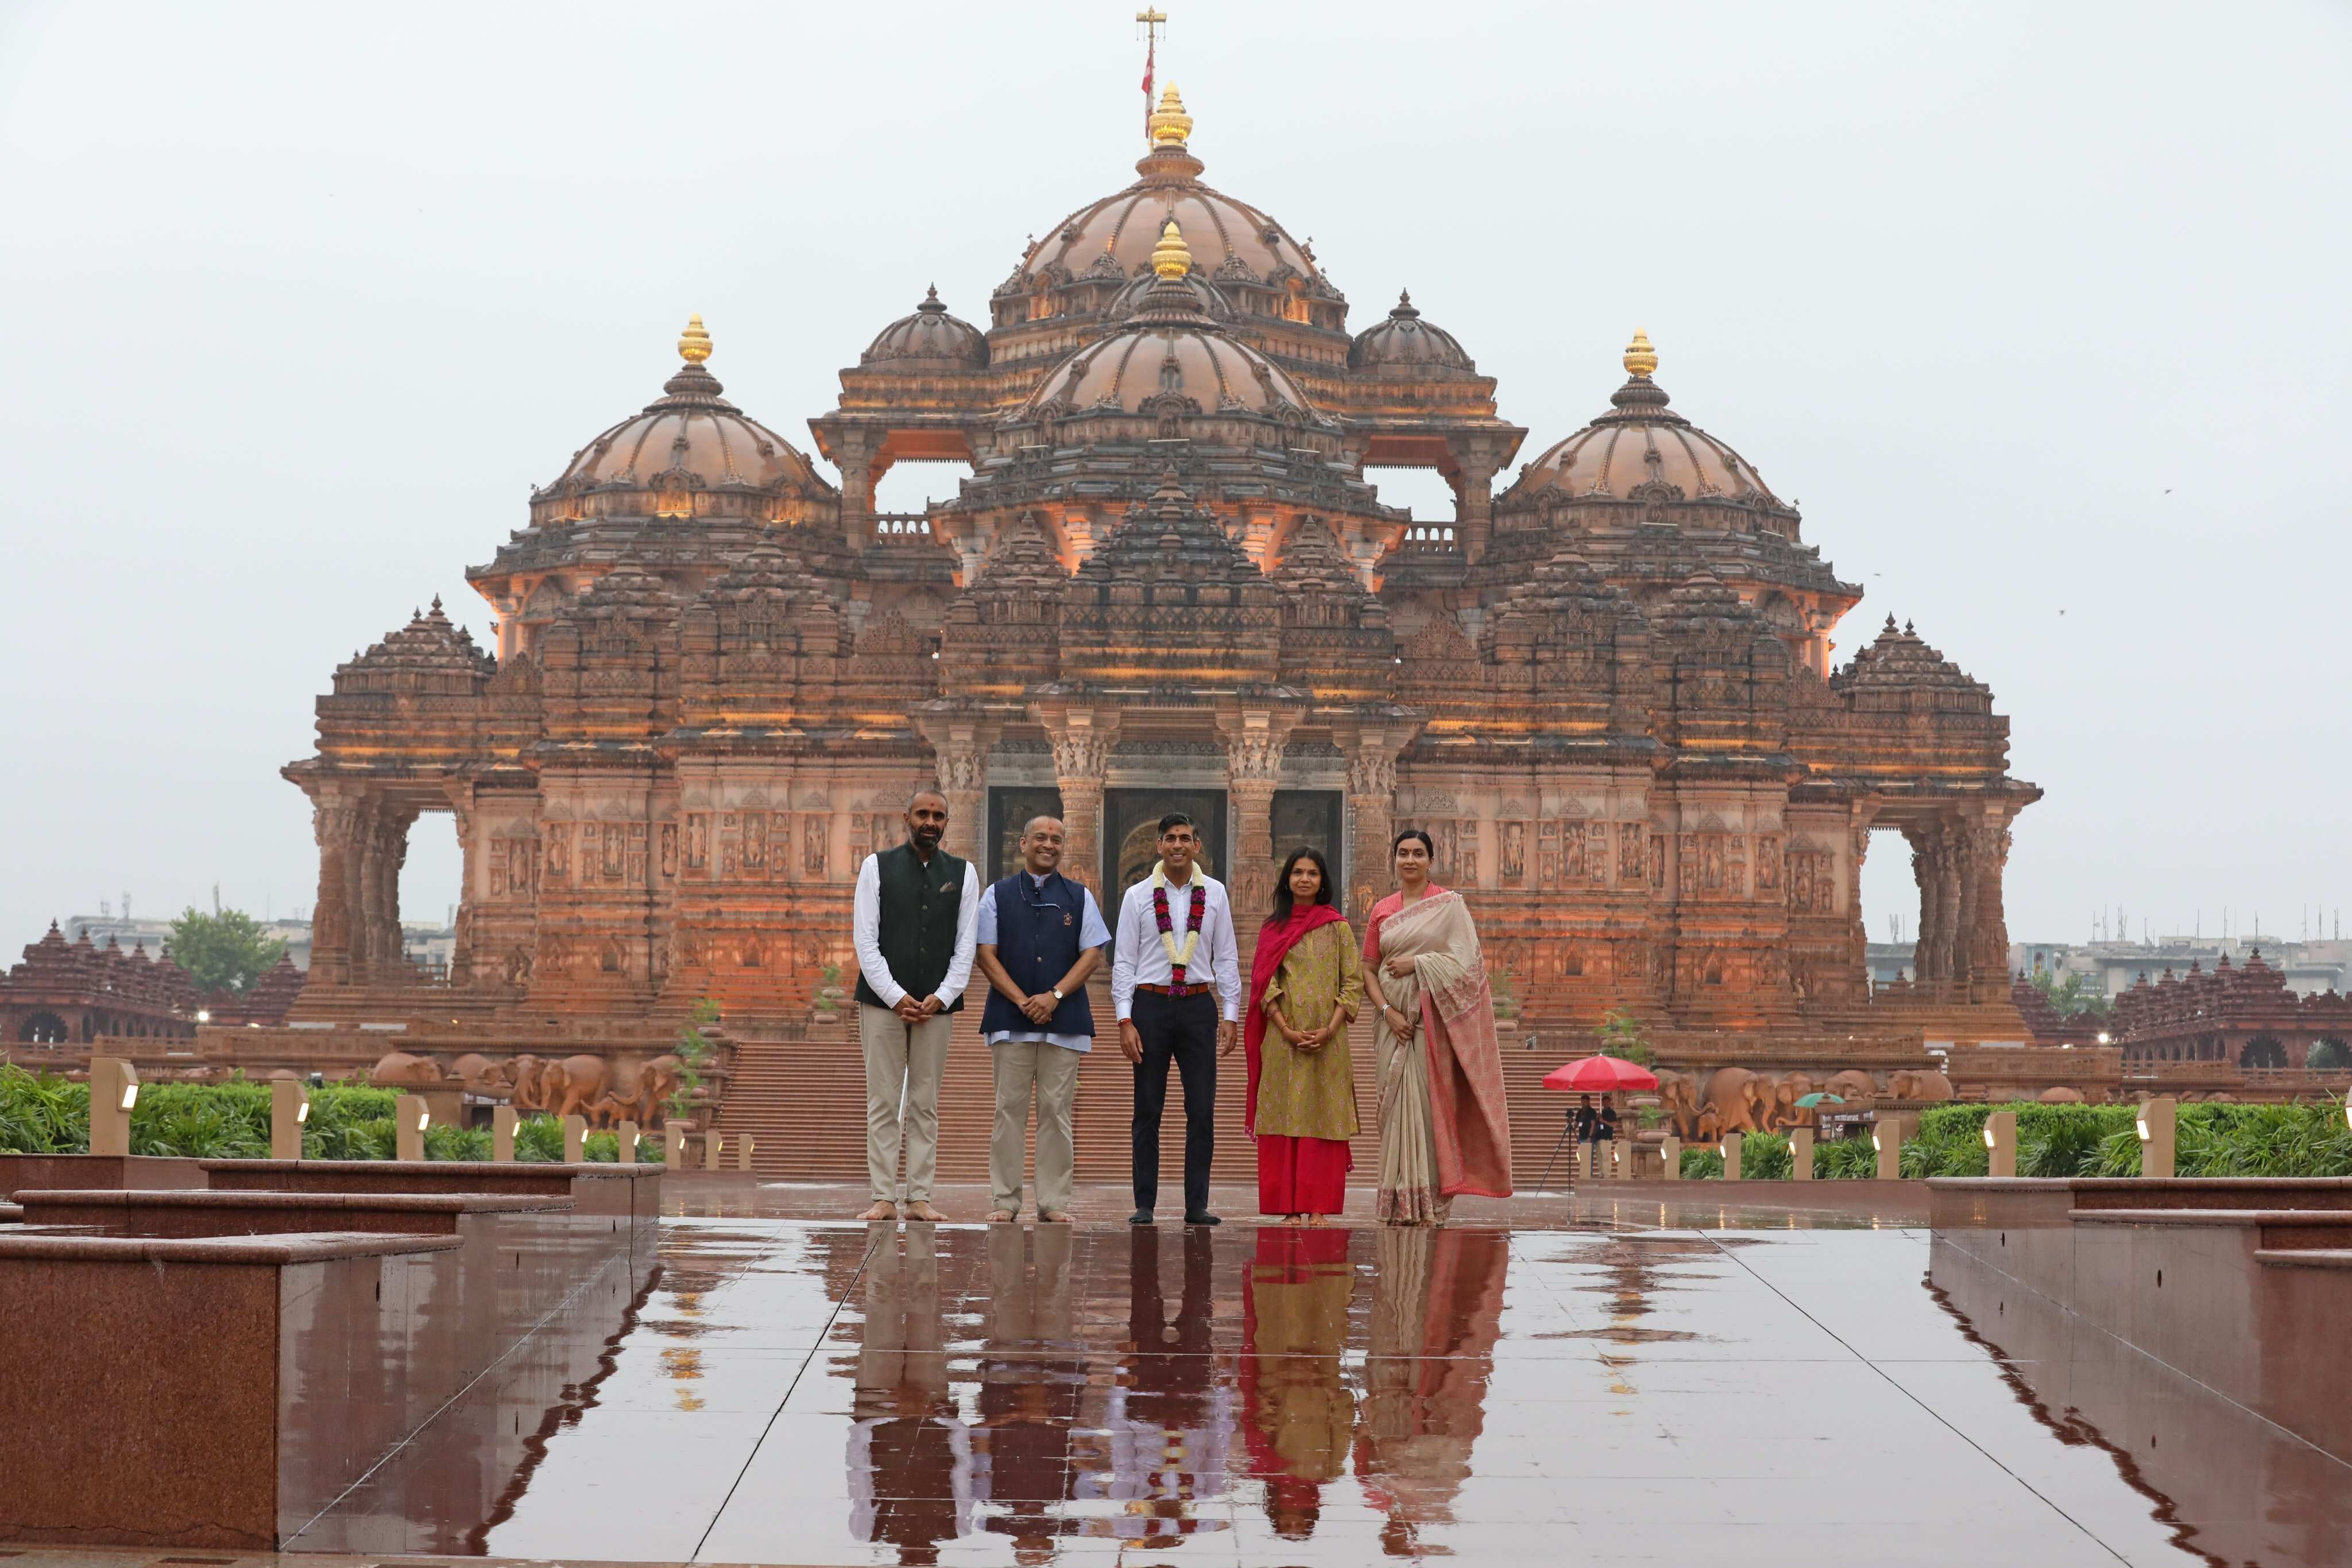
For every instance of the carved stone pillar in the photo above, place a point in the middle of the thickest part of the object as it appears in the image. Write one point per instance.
(1474, 499)
(1083, 741)
(461, 949)
(964, 780)
(1253, 765)
(1989, 842)
(855, 453)
(1926, 871)
(1371, 804)
(335, 823)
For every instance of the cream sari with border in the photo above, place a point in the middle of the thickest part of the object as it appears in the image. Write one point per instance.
(1444, 1127)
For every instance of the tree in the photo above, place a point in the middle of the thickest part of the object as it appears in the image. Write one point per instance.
(1621, 1036)
(2329, 1055)
(224, 952)
(693, 1053)
(2072, 996)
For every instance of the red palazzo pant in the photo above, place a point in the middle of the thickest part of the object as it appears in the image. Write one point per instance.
(1301, 1176)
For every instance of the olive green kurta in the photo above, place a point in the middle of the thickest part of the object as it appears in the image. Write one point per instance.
(1311, 1093)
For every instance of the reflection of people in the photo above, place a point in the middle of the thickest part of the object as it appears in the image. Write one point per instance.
(1443, 1128)
(1169, 1415)
(1040, 937)
(1297, 1415)
(909, 1452)
(1305, 987)
(1033, 1374)
(914, 918)
(1437, 1305)
(1175, 932)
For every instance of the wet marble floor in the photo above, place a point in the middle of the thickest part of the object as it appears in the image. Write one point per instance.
(794, 1390)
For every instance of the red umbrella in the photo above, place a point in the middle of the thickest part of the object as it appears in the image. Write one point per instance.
(1600, 1075)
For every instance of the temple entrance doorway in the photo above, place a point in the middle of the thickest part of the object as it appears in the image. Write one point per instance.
(1131, 834)
(1310, 819)
(45, 1028)
(1009, 810)
(1890, 909)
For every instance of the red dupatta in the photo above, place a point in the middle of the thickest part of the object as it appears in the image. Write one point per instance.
(1275, 941)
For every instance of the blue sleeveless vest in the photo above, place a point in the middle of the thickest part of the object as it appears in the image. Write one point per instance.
(1037, 941)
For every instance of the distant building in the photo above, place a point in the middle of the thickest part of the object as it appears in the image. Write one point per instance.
(2307, 968)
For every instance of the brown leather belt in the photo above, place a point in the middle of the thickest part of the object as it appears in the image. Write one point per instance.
(1201, 990)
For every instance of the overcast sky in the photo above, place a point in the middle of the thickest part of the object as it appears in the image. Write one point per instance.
(2038, 310)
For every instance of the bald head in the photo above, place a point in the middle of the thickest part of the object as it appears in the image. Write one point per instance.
(1041, 844)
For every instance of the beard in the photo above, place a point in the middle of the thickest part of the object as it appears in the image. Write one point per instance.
(929, 838)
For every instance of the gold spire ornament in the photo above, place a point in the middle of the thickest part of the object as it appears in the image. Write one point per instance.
(1641, 358)
(694, 343)
(1170, 125)
(1171, 257)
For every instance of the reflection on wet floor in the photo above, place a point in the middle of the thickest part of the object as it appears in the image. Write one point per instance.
(794, 1392)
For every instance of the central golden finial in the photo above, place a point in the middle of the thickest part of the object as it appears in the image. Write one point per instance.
(694, 343)
(1170, 125)
(1640, 358)
(1171, 257)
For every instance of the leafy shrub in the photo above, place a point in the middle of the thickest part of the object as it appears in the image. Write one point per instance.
(41, 1114)
(1845, 1159)
(1765, 1156)
(1702, 1165)
(539, 1138)
(454, 1142)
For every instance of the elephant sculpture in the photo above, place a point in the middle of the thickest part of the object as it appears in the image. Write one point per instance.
(1927, 1088)
(2062, 1096)
(1853, 1086)
(478, 1072)
(574, 1084)
(1785, 1111)
(637, 1093)
(402, 1071)
(1731, 1095)
(1679, 1097)
(524, 1090)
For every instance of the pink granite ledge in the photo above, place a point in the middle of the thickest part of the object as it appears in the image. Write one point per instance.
(301, 1247)
(12, 1214)
(441, 1168)
(2304, 1257)
(2333, 1219)
(201, 1198)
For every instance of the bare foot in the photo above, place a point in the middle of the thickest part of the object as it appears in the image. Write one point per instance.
(1292, 1219)
(881, 1210)
(1319, 1220)
(923, 1210)
(995, 1217)
(1053, 1216)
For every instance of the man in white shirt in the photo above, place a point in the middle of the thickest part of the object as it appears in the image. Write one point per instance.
(914, 920)
(1041, 937)
(1176, 932)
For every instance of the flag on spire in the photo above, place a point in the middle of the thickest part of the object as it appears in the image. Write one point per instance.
(1152, 20)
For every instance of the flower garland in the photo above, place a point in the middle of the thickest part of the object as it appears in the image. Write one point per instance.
(1179, 959)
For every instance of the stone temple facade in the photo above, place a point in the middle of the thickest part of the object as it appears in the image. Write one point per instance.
(1606, 689)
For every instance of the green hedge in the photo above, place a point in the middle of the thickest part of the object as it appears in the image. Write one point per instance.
(2303, 1139)
(41, 1114)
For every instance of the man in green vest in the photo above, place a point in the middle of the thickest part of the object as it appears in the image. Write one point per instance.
(914, 920)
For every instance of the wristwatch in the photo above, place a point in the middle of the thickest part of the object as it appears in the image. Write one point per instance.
(1058, 998)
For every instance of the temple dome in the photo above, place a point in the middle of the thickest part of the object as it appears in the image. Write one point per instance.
(690, 438)
(1206, 297)
(1641, 443)
(928, 338)
(1232, 239)
(1405, 341)
(1171, 353)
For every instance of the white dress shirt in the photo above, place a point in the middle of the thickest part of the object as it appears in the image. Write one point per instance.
(866, 932)
(1092, 933)
(1141, 958)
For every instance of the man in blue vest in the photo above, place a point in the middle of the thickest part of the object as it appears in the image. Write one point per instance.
(913, 919)
(1041, 935)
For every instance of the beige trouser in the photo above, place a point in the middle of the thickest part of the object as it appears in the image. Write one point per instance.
(903, 1060)
(1052, 1072)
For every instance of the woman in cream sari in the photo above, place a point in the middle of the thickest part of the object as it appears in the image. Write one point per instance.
(1443, 1128)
